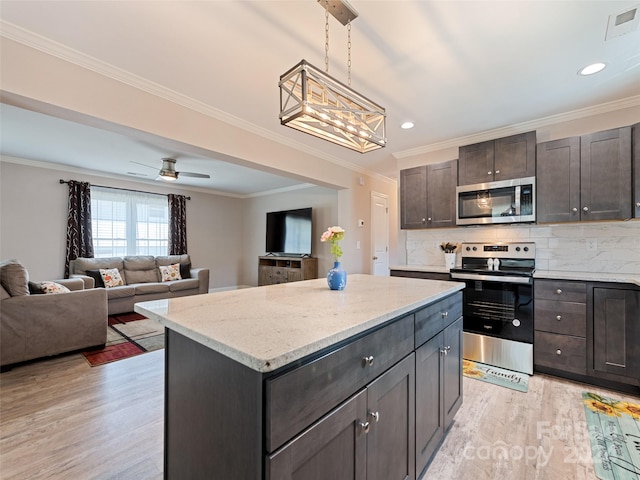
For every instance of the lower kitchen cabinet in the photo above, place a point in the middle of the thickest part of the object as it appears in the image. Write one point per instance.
(588, 331)
(370, 436)
(616, 334)
(438, 390)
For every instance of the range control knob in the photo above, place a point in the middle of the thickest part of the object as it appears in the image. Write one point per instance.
(517, 249)
(526, 249)
(468, 249)
(475, 248)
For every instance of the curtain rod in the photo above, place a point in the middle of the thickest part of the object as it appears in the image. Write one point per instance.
(126, 189)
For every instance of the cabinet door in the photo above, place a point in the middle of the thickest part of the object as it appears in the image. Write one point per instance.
(635, 144)
(413, 197)
(333, 448)
(475, 163)
(429, 402)
(391, 438)
(452, 371)
(515, 156)
(616, 332)
(441, 194)
(558, 180)
(605, 175)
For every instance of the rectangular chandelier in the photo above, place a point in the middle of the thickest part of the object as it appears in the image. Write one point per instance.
(313, 102)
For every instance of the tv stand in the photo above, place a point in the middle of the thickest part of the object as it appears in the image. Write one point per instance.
(277, 269)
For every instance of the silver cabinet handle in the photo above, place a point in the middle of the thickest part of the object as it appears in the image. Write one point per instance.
(365, 427)
(497, 172)
(638, 204)
(445, 350)
(367, 361)
(424, 220)
(585, 209)
(489, 172)
(375, 416)
(558, 352)
(445, 314)
(574, 210)
(559, 292)
(429, 219)
(559, 317)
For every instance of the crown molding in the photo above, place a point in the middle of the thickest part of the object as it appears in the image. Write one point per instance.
(633, 101)
(59, 50)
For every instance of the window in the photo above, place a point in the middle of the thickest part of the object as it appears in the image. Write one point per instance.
(128, 223)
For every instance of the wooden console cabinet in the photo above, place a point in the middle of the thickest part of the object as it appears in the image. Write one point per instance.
(273, 269)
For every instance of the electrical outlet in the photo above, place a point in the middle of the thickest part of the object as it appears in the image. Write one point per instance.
(592, 244)
(358, 244)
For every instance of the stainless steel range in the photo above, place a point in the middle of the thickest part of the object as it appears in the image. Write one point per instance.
(498, 303)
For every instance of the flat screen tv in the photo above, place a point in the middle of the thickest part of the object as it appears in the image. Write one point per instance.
(289, 232)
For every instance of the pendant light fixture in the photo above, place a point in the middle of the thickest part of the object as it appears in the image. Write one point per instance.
(314, 102)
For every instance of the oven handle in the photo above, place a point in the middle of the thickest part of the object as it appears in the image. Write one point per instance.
(490, 278)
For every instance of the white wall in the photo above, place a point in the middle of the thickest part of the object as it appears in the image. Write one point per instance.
(33, 216)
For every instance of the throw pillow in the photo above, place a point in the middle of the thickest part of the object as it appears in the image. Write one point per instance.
(97, 278)
(14, 277)
(53, 287)
(185, 270)
(35, 288)
(111, 277)
(170, 272)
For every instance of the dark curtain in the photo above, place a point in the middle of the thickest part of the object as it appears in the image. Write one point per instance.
(79, 241)
(177, 224)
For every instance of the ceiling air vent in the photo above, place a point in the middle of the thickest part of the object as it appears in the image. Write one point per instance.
(623, 22)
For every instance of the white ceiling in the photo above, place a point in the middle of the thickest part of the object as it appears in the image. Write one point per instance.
(454, 68)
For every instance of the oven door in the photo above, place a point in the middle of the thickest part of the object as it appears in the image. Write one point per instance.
(499, 309)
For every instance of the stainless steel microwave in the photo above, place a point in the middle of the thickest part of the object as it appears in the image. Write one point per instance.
(506, 201)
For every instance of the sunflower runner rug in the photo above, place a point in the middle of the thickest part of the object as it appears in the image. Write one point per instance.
(128, 334)
(496, 375)
(614, 433)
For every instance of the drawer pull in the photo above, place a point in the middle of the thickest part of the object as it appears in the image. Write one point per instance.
(445, 350)
(558, 352)
(365, 427)
(559, 317)
(559, 292)
(367, 361)
(375, 416)
(445, 314)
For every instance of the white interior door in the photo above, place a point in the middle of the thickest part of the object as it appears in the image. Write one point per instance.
(380, 234)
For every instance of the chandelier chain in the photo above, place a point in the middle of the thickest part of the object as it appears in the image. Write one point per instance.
(349, 52)
(326, 37)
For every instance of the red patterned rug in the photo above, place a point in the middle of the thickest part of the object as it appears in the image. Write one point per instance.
(129, 334)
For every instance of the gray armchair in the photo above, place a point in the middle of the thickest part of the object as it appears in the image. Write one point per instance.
(34, 326)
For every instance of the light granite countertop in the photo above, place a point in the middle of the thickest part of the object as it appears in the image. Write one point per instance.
(266, 328)
(550, 274)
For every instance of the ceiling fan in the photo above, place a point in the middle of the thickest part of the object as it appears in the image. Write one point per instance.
(168, 171)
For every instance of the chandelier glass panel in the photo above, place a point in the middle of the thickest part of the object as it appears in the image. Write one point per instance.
(315, 103)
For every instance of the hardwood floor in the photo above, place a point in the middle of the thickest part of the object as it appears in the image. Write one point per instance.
(60, 418)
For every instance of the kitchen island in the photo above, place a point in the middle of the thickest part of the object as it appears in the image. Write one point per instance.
(298, 381)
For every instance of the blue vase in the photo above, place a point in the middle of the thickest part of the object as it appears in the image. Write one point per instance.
(337, 277)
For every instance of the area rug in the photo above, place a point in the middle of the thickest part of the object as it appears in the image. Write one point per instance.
(128, 335)
(496, 375)
(614, 433)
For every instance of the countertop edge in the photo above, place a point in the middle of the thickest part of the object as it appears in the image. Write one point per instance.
(265, 365)
(588, 276)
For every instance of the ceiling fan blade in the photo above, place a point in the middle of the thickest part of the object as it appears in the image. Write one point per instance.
(144, 165)
(195, 175)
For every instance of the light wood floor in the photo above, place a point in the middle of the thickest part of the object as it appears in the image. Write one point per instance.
(61, 419)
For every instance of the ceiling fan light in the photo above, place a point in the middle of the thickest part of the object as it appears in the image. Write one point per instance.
(168, 176)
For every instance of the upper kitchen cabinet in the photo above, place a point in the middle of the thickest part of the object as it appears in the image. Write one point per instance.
(427, 196)
(585, 178)
(501, 159)
(635, 144)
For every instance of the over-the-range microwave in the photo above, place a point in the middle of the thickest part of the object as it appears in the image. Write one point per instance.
(505, 201)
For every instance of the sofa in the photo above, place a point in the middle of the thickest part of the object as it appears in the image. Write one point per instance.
(140, 278)
(34, 325)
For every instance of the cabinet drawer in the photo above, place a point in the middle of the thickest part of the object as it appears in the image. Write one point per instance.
(433, 319)
(567, 318)
(560, 290)
(562, 352)
(298, 398)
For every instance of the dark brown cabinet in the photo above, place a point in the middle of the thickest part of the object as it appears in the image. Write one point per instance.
(635, 145)
(585, 178)
(427, 195)
(438, 389)
(502, 159)
(370, 436)
(616, 334)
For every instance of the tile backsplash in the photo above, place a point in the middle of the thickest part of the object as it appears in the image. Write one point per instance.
(612, 247)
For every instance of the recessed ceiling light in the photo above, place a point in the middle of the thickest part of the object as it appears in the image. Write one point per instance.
(591, 69)
(407, 125)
